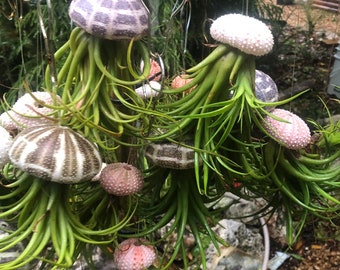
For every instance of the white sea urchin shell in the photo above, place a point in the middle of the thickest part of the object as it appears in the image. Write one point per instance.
(149, 89)
(6, 142)
(28, 111)
(245, 33)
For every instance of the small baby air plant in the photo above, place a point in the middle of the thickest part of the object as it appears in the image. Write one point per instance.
(107, 156)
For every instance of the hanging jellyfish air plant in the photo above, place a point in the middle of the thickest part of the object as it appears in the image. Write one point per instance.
(62, 212)
(97, 80)
(225, 118)
(187, 144)
(188, 163)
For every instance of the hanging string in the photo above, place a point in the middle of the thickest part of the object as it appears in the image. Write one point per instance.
(186, 18)
(246, 8)
(48, 39)
(19, 14)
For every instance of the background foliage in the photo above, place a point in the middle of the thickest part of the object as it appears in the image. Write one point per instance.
(22, 53)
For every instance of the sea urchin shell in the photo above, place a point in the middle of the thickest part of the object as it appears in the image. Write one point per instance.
(6, 141)
(31, 109)
(266, 89)
(133, 254)
(111, 19)
(245, 33)
(121, 179)
(171, 155)
(55, 153)
(292, 132)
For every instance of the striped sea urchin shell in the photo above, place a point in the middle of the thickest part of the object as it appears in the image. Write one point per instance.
(111, 19)
(171, 155)
(55, 153)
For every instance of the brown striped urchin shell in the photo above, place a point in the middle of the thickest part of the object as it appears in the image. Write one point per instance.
(55, 153)
(111, 19)
(171, 155)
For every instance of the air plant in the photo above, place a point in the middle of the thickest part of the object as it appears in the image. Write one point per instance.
(225, 117)
(224, 100)
(51, 166)
(304, 181)
(98, 78)
(48, 166)
(170, 196)
(187, 146)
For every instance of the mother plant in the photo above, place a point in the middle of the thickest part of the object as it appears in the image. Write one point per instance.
(187, 145)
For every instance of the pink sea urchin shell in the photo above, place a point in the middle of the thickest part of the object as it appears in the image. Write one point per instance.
(245, 33)
(133, 254)
(155, 73)
(121, 179)
(293, 134)
(181, 80)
